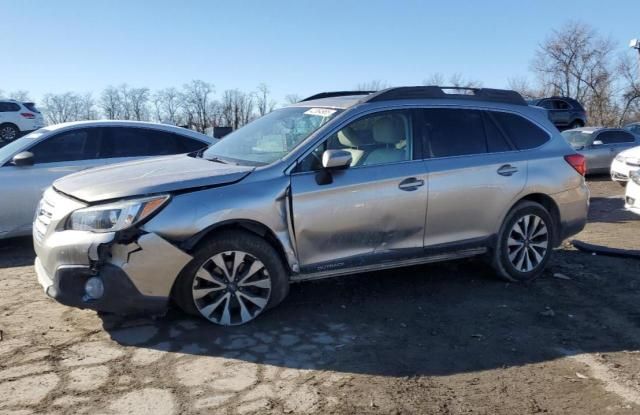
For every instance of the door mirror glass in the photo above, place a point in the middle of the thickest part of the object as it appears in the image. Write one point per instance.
(597, 143)
(336, 159)
(24, 158)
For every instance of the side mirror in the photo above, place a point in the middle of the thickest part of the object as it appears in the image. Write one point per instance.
(336, 159)
(24, 158)
(597, 143)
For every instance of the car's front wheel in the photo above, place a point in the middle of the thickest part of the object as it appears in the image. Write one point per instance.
(8, 132)
(525, 242)
(232, 279)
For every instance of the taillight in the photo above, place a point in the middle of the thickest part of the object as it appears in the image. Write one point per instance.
(28, 115)
(578, 162)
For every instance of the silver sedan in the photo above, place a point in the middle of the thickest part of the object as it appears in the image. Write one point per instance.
(30, 164)
(600, 145)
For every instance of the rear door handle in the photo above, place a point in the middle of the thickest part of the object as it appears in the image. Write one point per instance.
(507, 170)
(410, 184)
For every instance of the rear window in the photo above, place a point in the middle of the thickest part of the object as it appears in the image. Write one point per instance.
(31, 107)
(523, 133)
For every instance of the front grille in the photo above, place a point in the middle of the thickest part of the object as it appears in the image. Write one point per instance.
(43, 218)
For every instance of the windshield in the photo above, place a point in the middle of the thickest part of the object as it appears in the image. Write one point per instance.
(271, 137)
(10, 149)
(577, 139)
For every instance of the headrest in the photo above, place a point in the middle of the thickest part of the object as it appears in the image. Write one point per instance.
(387, 131)
(349, 138)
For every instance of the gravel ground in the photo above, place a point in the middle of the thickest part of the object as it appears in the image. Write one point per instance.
(445, 338)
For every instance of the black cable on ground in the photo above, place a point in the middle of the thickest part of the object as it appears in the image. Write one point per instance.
(605, 250)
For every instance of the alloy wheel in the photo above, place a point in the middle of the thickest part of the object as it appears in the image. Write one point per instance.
(231, 288)
(528, 243)
(7, 133)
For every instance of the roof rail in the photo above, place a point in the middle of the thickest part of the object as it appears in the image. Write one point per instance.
(433, 91)
(335, 94)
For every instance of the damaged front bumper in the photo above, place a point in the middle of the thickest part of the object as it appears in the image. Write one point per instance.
(136, 276)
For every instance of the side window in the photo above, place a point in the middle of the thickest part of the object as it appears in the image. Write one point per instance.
(375, 139)
(521, 132)
(615, 137)
(187, 145)
(67, 146)
(454, 132)
(547, 104)
(9, 107)
(561, 105)
(496, 141)
(140, 142)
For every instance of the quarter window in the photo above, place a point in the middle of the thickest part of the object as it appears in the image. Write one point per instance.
(67, 146)
(520, 131)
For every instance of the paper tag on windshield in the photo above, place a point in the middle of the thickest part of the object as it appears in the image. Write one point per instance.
(321, 112)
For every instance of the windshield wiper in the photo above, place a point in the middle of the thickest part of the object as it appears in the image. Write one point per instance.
(217, 160)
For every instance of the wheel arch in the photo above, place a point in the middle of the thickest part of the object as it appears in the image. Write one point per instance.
(246, 225)
(550, 205)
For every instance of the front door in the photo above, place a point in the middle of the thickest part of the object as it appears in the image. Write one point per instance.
(371, 212)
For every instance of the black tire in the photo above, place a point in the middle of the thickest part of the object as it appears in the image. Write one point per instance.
(501, 262)
(227, 241)
(576, 124)
(9, 132)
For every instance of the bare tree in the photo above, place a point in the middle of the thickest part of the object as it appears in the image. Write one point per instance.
(455, 80)
(138, 99)
(111, 103)
(576, 62)
(167, 103)
(374, 85)
(68, 106)
(292, 98)
(196, 98)
(523, 86)
(236, 108)
(629, 70)
(263, 102)
(20, 95)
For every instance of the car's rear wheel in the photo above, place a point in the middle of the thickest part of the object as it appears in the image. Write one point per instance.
(525, 243)
(576, 124)
(8, 132)
(232, 279)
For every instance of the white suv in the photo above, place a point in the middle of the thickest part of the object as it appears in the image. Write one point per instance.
(18, 118)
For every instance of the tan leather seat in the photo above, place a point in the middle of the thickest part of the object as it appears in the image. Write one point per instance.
(348, 138)
(391, 133)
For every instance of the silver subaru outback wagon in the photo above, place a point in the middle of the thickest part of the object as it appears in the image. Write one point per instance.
(339, 183)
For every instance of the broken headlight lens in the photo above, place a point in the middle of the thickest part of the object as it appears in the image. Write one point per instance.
(116, 216)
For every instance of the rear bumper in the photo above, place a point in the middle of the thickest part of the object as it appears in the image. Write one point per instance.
(573, 206)
(120, 295)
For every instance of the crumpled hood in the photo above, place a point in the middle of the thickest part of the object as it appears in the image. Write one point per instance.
(153, 175)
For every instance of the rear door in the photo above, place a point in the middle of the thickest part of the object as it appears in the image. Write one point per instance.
(54, 157)
(562, 111)
(373, 211)
(475, 173)
(613, 142)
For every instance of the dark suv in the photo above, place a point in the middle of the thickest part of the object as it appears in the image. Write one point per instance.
(564, 112)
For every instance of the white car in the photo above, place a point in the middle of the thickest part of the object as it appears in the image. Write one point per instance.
(30, 164)
(18, 118)
(624, 163)
(632, 198)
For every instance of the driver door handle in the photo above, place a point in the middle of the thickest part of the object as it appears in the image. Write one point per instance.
(507, 170)
(410, 184)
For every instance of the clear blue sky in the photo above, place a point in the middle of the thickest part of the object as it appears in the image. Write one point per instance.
(294, 46)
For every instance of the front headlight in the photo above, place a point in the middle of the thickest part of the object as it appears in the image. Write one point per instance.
(635, 176)
(116, 216)
(620, 158)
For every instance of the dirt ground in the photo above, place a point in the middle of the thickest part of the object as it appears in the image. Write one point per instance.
(445, 338)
